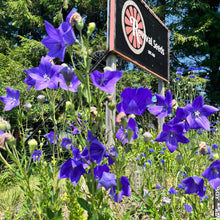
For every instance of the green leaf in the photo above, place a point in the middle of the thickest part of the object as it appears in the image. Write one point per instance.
(84, 204)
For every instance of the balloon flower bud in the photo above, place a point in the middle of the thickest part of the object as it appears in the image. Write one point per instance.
(147, 136)
(41, 99)
(91, 28)
(69, 105)
(111, 106)
(179, 158)
(32, 145)
(11, 141)
(68, 73)
(215, 156)
(3, 126)
(28, 107)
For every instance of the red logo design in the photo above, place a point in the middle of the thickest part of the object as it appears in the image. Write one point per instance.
(133, 27)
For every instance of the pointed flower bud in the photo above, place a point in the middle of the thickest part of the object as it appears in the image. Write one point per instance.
(68, 73)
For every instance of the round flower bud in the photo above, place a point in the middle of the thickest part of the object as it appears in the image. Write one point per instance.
(69, 105)
(111, 106)
(79, 25)
(41, 98)
(3, 126)
(11, 141)
(215, 156)
(147, 136)
(28, 106)
(32, 145)
(179, 159)
(91, 28)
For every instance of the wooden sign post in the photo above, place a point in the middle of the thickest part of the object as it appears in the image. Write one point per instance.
(136, 34)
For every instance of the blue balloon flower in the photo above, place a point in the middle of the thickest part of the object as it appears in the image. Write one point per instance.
(135, 101)
(10, 100)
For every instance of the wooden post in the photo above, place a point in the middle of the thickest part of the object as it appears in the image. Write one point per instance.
(110, 115)
(217, 203)
(161, 91)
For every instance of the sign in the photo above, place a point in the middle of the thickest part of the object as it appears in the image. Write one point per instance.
(217, 203)
(139, 36)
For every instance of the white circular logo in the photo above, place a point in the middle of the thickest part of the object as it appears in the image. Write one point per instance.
(133, 27)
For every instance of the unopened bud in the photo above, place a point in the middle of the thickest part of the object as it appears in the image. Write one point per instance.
(32, 145)
(179, 159)
(11, 141)
(68, 73)
(91, 28)
(215, 157)
(69, 105)
(3, 126)
(111, 106)
(28, 106)
(147, 136)
(41, 98)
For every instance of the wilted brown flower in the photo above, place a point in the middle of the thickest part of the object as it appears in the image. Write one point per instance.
(119, 117)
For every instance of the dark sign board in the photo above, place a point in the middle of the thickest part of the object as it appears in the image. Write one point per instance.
(217, 203)
(139, 36)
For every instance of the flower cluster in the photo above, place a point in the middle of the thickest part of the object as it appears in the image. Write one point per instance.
(79, 165)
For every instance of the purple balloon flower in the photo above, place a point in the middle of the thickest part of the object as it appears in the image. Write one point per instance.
(10, 100)
(172, 135)
(96, 149)
(111, 154)
(29, 81)
(46, 75)
(172, 191)
(194, 184)
(129, 134)
(99, 170)
(188, 208)
(66, 142)
(108, 180)
(36, 155)
(58, 37)
(198, 113)
(51, 137)
(181, 115)
(164, 106)
(159, 187)
(134, 101)
(73, 85)
(125, 190)
(106, 81)
(212, 173)
(71, 169)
